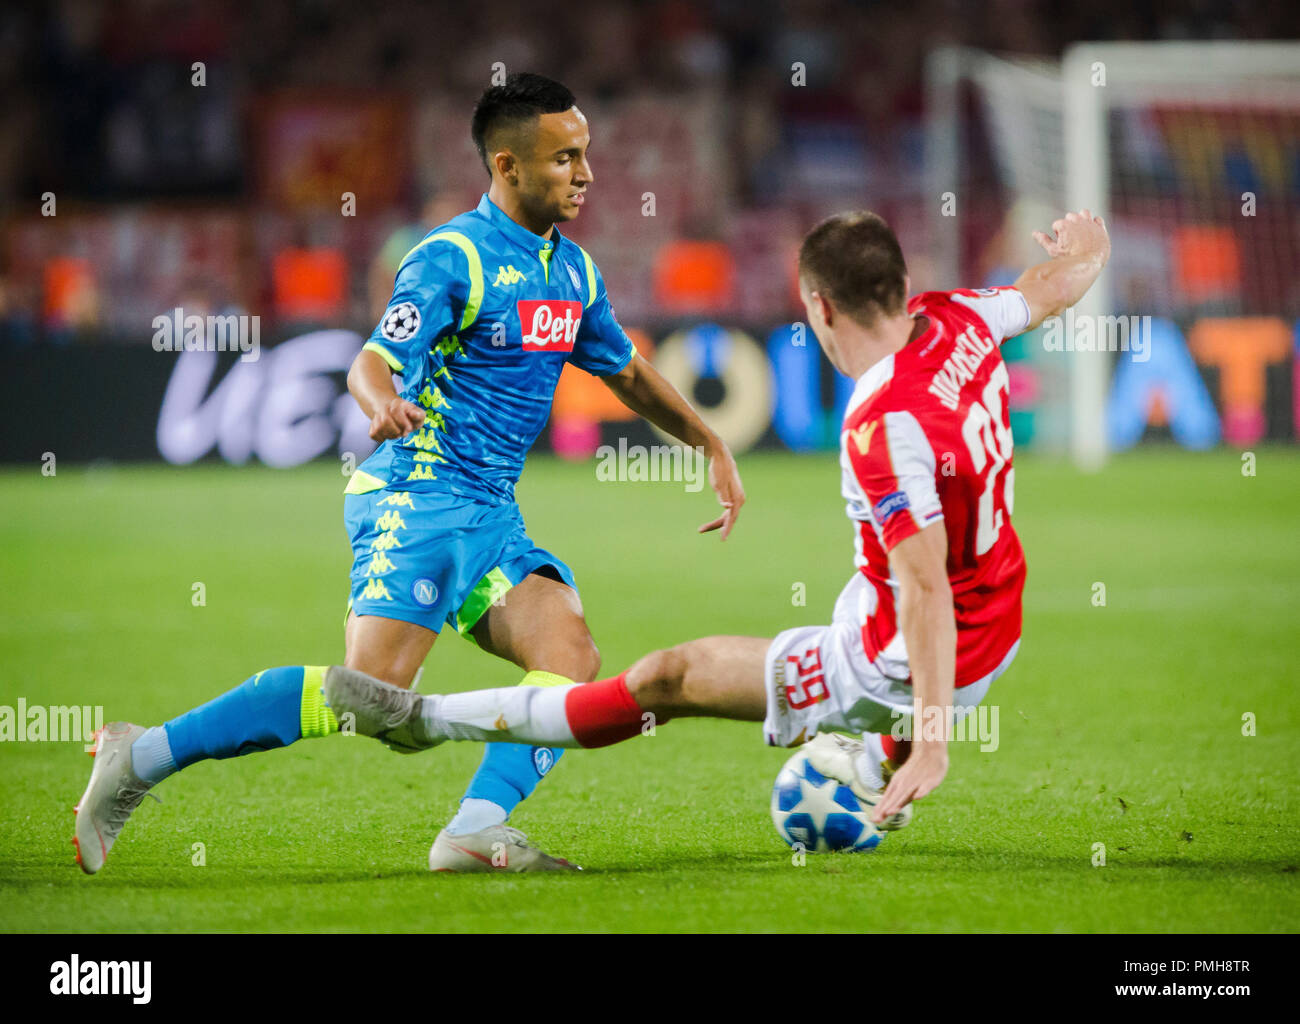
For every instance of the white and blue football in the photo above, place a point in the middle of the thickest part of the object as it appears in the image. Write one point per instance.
(819, 814)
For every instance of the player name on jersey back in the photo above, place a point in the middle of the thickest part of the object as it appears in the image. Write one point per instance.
(961, 366)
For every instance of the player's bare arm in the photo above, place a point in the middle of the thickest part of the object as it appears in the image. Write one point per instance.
(644, 390)
(371, 383)
(1079, 249)
(925, 611)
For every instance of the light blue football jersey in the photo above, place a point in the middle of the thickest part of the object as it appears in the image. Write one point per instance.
(484, 316)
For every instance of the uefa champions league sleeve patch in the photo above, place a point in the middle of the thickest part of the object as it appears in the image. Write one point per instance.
(400, 322)
(890, 505)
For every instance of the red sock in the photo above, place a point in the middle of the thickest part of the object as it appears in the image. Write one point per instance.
(603, 712)
(895, 750)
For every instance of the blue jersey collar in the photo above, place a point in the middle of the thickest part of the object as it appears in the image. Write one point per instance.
(515, 231)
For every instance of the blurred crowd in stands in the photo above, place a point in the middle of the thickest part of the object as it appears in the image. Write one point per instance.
(278, 158)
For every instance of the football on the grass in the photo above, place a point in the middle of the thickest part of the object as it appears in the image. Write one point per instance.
(818, 814)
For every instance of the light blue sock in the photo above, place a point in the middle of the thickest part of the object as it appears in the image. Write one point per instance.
(151, 756)
(272, 709)
(507, 774)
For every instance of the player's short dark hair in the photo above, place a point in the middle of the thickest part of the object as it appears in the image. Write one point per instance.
(854, 260)
(522, 98)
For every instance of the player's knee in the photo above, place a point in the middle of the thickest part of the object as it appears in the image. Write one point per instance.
(655, 682)
(588, 662)
(380, 665)
(579, 659)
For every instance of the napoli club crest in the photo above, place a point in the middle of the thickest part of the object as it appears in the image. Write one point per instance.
(424, 592)
(543, 760)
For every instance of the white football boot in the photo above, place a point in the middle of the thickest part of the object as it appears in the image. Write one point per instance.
(114, 791)
(497, 848)
(387, 712)
(841, 757)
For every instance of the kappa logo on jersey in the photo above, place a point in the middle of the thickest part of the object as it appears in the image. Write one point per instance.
(375, 590)
(400, 322)
(889, 505)
(549, 325)
(507, 275)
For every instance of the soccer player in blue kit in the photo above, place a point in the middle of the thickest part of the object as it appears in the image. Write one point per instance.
(485, 312)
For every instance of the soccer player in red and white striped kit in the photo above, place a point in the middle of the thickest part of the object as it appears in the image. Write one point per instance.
(932, 614)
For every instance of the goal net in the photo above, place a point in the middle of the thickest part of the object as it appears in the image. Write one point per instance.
(1191, 151)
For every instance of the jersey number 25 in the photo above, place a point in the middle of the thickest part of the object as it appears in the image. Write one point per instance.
(989, 442)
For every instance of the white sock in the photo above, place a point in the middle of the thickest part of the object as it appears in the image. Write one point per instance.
(515, 714)
(868, 762)
(475, 815)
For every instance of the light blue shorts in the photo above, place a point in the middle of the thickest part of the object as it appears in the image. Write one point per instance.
(431, 558)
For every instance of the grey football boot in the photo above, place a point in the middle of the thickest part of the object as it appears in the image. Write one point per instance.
(389, 713)
(498, 848)
(114, 791)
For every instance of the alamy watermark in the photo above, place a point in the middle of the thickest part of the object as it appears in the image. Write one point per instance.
(75, 977)
(657, 462)
(1083, 332)
(977, 724)
(57, 723)
(178, 331)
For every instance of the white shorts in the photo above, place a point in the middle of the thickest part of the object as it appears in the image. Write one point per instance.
(818, 678)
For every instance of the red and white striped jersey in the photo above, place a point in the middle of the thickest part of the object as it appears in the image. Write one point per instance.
(927, 437)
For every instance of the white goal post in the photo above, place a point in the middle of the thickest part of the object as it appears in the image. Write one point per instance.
(1050, 127)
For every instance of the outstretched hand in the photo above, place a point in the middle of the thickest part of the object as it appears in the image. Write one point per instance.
(921, 774)
(724, 478)
(1077, 234)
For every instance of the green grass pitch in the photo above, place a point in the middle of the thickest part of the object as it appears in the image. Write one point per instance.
(1120, 724)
